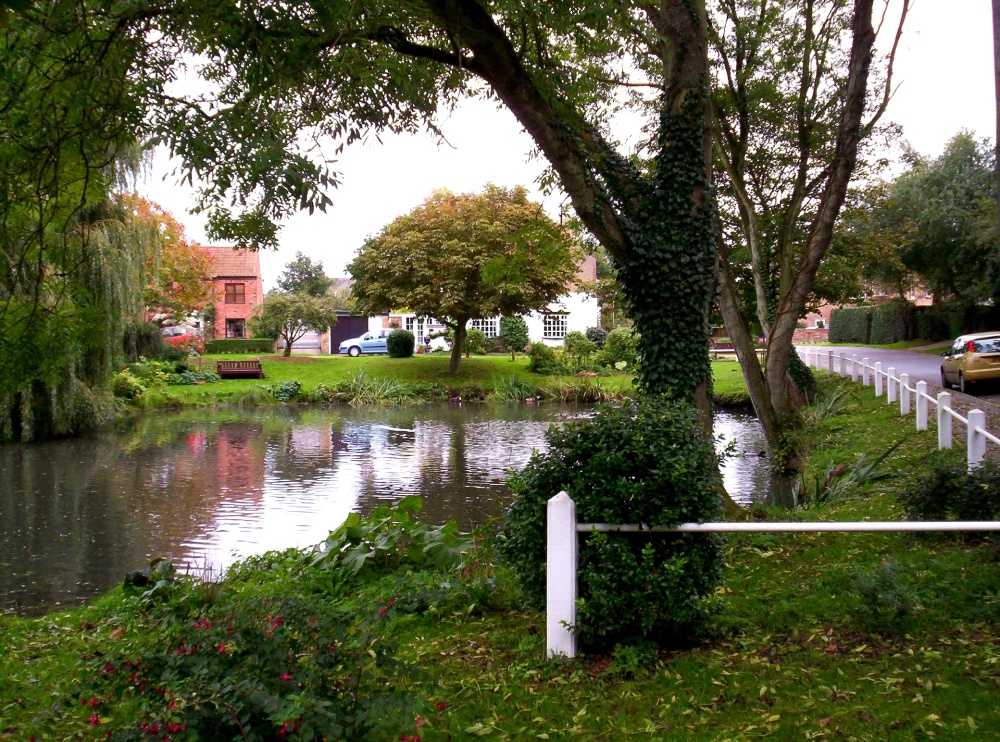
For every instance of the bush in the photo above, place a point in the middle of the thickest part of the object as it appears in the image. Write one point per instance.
(597, 336)
(949, 491)
(240, 345)
(886, 603)
(622, 346)
(577, 345)
(851, 325)
(892, 322)
(542, 359)
(125, 385)
(286, 391)
(514, 332)
(400, 344)
(644, 462)
(802, 375)
(475, 342)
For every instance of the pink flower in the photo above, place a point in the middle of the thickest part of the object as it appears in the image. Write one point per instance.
(286, 676)
(221, 647)
(94, 720)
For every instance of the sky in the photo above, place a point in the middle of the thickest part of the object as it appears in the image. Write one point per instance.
(943, 78)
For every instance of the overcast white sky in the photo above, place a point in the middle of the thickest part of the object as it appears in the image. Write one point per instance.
(944, 76)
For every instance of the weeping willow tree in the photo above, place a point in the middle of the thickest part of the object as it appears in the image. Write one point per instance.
(71, 261)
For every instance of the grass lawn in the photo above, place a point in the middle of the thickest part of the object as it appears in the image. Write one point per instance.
(824, 636)
(426, 372)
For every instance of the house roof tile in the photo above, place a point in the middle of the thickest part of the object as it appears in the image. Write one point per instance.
(230, 263)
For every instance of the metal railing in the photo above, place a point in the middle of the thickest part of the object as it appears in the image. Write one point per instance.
(898, 389)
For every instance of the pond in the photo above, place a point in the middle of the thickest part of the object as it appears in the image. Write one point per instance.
(205, 487)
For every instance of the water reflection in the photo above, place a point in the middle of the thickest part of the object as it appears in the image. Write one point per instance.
(204, 487)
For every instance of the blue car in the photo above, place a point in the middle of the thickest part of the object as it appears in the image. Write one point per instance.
(370, 342)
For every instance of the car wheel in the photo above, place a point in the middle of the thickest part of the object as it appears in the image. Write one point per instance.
(944, 380)
(354, 351)
(965, 387)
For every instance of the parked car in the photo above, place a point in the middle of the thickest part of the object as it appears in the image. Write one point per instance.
(181, 336)
(970, 359)
(370, 342)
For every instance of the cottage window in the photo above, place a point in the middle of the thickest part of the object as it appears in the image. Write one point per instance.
(490, 326)
(236, 293)
(554, 326)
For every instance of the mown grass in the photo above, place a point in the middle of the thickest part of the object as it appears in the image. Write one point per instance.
(803, 651)
(494, 376)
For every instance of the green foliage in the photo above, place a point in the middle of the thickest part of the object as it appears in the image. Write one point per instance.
(286, 391)
(802, 375)
(644, 462)
(886, 604)
(892, 322)
(851, 325)
(303, 276)
(290, 316)
(948, 491)
(400, 344)
(514, 333)
(362, 389)
(240, 345)
(390, 538)
(543, 359)
(842, 481)
(510, 388)
(125, 385)
(622, 346)
(225, 664)
(142, 340)
(475, 342)
(597, 336)
(578, 345)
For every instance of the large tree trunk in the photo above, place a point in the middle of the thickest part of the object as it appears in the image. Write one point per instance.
(457, 346)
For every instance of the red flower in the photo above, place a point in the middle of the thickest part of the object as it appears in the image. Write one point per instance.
(221, 647)
(286, 676)
(442, 704)
(94, 721)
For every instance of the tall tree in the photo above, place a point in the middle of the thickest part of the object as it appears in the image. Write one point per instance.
(178, 271)
(457, 257)
(303, 276)
(790, 113)
(290, 316)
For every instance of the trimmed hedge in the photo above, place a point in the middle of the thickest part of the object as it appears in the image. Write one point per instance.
(240, 345)
(400, 344)
(892, 322)
(851, 325)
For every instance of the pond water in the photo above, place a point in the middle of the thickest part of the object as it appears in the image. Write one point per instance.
(205, 487)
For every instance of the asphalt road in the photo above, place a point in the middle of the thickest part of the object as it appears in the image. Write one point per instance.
(920, 366)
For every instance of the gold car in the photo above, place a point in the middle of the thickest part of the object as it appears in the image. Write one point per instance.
(971, 358)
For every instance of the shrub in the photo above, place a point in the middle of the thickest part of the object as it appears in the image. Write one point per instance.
(851, 325)
(644, 462)
(597, 336)
(286, 391)
(886, 603)
(240, 345)
(802, 375)
(577, 345)
(126, 386)
(892, 322)
(543, 359)
(400, 344)
(622, 346)
(475, 342)
(950, 491)
(514, 332)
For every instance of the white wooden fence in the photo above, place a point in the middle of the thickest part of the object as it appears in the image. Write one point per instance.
(898, 389)
(561, 554)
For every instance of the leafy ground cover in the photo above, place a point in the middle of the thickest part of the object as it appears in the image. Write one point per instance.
(824, 636)
(427, 377)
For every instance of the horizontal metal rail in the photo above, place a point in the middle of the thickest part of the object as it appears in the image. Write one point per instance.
(814, 527)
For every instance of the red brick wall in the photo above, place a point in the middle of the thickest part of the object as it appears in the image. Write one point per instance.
(816, 335)
(253, 295)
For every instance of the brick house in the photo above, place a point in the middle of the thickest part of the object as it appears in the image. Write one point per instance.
(237, 288)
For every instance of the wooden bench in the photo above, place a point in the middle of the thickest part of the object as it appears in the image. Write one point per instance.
(249, 369)
(717, 350)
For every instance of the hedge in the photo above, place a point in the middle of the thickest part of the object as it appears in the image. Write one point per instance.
(851, 325)
(240, 345)
(892, 322)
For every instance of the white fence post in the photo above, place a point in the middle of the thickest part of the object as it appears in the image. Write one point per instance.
(864, 372)
(878, 378)
(904, 394)
(560, 577)
(829, 362)
(944, 419)
(890, 378)
(854, 368)
(921, 405)
(976, 440)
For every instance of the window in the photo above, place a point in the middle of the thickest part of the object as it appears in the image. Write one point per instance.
(236, 328)
(417, 327)
(236, 294)
(490, 326)
(554, 326)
